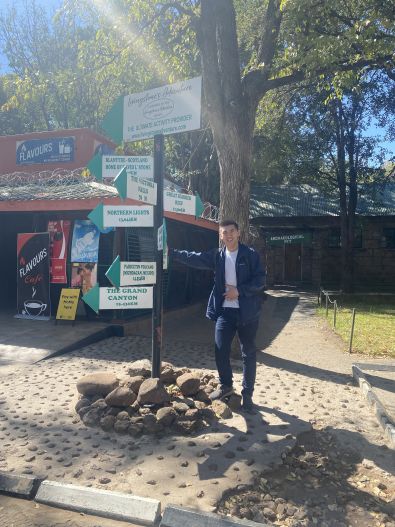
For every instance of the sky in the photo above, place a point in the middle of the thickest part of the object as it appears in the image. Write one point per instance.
(51, 5)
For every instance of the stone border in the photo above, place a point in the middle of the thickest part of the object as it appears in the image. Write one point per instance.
(381, 414)
(174, 516)
(21, 485)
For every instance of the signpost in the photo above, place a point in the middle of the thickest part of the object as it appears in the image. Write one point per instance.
(108, 167)
(150, 114)
(119, 298)
(183, 203)
(130, 186)
(123, 274)
(104, 216)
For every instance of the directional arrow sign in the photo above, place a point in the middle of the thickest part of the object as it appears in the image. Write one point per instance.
(122, 298)
(130, 186)
(123, 274)
(108, 167)
(182, 203)
(166, 110)
(104, 216)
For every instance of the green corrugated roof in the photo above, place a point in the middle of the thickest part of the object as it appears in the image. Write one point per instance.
(296, 201)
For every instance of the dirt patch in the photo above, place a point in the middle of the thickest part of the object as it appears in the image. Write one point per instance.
(319, 483)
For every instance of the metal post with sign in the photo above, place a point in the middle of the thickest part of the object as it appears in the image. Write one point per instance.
(158, 292)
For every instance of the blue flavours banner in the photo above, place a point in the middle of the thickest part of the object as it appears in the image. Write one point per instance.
(43, 151)
(85, 244)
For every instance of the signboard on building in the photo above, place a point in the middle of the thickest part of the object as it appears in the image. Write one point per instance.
(166, 110)
(45, 151)
(290, 238)
(33, 298)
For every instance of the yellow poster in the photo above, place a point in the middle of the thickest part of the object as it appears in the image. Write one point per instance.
(68, 303)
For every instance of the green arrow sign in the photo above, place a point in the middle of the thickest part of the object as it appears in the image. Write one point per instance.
(123, 274)
(104, 216)
(130, 186)
(122, 298)
(183, 203)
(112, 123)
(108, 167)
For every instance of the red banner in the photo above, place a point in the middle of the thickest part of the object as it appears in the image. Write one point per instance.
(59, 233)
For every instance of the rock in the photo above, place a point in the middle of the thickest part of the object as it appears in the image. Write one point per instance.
(82, 403)
(202, 395)
(101, 383)
(166, 416)
(151, 426)
(122, 425)
(101, 405)
(152, 391)
(183, 425)
(121, 396)
(140, 367)
(135, 429)
(200, 405)
(192, 414)
(134, 383)
(84, 410)
(168, 374)
(107, 422)
(208, 414)
(92, 417)
(180, 407)
(188, 383)
(269, 514)
(234, 402)
(221, 409)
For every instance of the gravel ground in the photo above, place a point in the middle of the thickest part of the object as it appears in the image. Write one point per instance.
(304, 386)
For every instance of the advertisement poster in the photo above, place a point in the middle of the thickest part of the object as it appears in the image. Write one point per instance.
(59, 234)
(83, 276)
(43, 151)
(33, 298)
(85, 244)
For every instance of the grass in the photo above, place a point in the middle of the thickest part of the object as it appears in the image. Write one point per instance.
(374, 331)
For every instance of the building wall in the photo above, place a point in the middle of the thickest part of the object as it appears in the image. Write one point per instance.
(38, 146)
(374, 264)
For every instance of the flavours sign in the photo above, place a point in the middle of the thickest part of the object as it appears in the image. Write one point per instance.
(33, 275)
(43, 151)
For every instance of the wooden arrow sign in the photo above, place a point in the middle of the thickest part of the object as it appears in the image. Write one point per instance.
(123, 298)
(123, 274)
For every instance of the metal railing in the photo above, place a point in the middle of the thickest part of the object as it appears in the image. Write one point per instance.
(328, 303)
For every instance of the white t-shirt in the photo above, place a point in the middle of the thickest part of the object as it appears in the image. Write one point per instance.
(230, 275)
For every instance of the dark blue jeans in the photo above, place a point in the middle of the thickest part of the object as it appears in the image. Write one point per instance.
(225, 329)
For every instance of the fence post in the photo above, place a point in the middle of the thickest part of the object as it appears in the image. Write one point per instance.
(334, 313)
(352, 330)
(326, 304)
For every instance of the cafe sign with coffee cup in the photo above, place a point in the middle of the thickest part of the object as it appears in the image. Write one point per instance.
(33, 278)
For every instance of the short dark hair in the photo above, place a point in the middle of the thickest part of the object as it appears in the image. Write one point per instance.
(226, 223)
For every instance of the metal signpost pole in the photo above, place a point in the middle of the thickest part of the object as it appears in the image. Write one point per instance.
(158, 293)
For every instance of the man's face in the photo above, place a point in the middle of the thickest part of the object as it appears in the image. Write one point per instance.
(229, 235)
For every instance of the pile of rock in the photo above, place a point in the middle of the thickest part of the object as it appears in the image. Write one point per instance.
(177, 402)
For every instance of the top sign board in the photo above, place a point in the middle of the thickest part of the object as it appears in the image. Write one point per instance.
(167, 110)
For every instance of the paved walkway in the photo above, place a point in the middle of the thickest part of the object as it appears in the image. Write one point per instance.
(303, 380)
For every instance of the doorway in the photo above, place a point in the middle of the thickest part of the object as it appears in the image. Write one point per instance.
(292, 262)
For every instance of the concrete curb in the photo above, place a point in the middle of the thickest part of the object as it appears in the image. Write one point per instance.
(108, 504)
(174, 516)
(22, 485)
(381, 414)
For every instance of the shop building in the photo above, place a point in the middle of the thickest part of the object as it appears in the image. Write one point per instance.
(299, 236)
(29, 201)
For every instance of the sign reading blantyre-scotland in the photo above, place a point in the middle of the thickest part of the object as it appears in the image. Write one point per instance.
(122, 274)
(167, 110)
(122, 298)
(104, 216)
(108, 167)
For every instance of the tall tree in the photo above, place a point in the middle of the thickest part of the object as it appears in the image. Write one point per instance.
(277, 43)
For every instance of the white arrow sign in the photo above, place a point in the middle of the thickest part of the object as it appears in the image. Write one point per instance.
(123, 274)
(104, 216)
(182, 203)
(130, 186)
(123, 298)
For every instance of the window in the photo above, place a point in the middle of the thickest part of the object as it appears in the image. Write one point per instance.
(388, 238)
(334, 237)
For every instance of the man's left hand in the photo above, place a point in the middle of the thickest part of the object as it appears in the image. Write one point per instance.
(231, 292)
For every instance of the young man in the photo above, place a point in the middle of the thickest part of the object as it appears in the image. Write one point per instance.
(234, 304)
